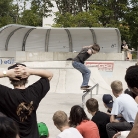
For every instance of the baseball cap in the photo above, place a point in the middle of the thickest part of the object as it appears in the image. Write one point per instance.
(108, 100)
(42, 129)
(15, 65)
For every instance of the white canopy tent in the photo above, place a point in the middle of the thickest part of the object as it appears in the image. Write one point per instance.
(15, 37)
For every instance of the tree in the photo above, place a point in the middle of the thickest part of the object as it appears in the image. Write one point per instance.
(132, 19)
(5, 12)
(42, 7)
(33, 15)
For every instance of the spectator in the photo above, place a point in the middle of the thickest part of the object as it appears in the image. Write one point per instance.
(121, 106)
(20, 103)
(43, 130)
(131, 79)
(79, 119)
(60, 120)
(8, 128)
(100, 118)
(124, 48)
(108, 102)
(133, 95)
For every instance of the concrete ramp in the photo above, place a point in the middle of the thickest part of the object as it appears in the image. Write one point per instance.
(96, 77)
(68, 80)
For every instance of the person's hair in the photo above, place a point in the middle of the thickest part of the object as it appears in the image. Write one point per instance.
(131, 76)
(2, 115)
(127, 91)
(21, 81)
(60, 119)
(117, 86)
(96, 47)
(8, 128)
(77, 115)
(92, 105)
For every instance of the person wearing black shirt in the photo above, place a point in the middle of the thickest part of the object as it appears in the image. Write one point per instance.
(100, 118)
(78, 63)
(20, 103)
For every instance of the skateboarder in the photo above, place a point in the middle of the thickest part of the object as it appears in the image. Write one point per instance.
(78, 63)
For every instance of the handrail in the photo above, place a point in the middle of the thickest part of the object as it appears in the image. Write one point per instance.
(83, 96)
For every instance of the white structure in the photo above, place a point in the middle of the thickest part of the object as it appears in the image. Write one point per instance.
(28, 38)
(47, 22)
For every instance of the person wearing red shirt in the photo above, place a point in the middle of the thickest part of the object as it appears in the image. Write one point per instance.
(79, 119)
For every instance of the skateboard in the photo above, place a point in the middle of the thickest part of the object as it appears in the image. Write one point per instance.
(88, 89)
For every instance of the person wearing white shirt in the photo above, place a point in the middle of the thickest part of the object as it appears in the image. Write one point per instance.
(125, 105)
(60, 120)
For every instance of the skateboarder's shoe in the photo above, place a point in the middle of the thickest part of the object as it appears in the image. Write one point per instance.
(85, 87)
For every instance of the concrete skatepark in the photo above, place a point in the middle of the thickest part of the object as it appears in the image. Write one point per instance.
(51, 51)
(65, 86)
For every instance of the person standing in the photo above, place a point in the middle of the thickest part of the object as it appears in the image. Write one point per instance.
(124, 47)
(78, 63)
(21, 103)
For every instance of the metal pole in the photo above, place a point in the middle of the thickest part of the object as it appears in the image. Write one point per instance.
(86, 92)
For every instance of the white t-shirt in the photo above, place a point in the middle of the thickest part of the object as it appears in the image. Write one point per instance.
(70, 133)
(125, 105)
(124, 134)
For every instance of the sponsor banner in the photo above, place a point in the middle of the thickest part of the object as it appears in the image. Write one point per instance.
(6, 61)
(101, 65)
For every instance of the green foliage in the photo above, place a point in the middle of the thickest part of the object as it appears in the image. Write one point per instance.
(31, 18)
(43, 7)
(17, 12)
(5, 12)
(132, 19)
(82, 19)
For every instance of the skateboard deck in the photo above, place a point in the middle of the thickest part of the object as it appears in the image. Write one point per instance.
(88, 89)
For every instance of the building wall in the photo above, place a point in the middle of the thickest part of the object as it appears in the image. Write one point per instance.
(10, 57)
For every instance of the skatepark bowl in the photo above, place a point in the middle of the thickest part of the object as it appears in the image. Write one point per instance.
(65, 86)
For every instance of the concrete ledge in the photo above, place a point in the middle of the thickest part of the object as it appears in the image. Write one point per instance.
(22, 56)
